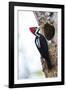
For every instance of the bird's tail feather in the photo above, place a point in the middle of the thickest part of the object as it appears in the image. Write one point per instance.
(49, 64)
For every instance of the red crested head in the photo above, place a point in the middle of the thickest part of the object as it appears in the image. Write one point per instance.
(32, 29)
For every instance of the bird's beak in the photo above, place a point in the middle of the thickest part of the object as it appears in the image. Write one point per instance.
(32, 29)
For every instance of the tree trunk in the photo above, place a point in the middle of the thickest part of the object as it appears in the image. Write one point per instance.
(53, 56)
(52, 47)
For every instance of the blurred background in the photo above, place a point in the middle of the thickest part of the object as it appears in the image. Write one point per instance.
(29, 64)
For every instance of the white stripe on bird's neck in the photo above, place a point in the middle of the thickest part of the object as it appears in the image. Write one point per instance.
(37, 29)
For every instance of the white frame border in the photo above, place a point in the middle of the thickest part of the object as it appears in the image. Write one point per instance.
(16, 8)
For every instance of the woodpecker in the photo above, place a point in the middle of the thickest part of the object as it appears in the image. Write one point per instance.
(42, 45)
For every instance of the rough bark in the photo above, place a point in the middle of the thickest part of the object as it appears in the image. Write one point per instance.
(53, 55)
(52, 47)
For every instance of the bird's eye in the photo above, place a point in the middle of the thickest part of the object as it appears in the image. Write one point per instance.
(35, 27)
